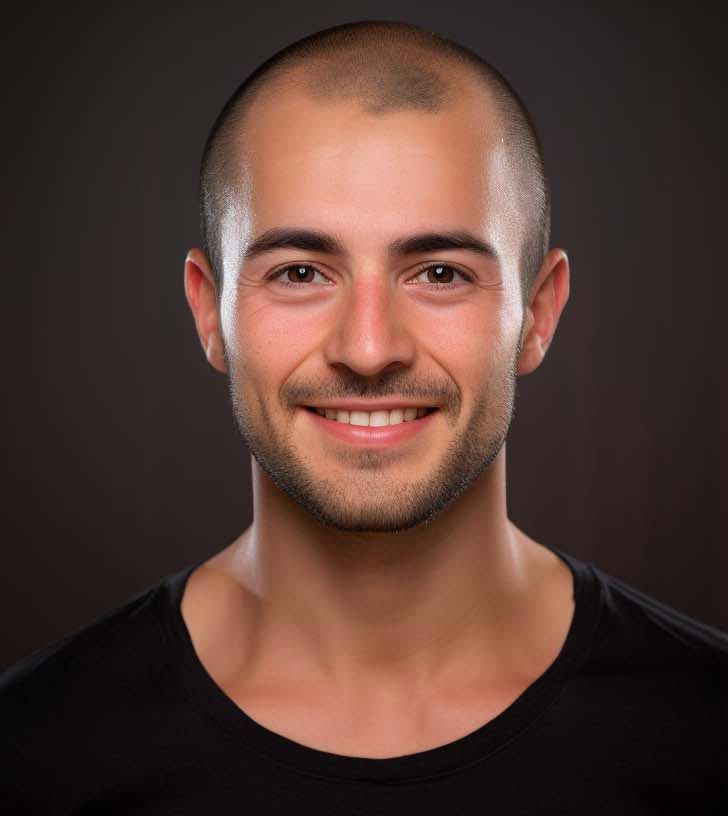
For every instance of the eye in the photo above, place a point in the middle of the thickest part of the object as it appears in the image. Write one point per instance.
(441, 275)
(301, 274)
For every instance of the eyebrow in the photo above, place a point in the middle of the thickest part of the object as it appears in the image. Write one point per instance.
(316, 241)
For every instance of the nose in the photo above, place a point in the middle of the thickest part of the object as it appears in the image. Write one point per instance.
(371, 328)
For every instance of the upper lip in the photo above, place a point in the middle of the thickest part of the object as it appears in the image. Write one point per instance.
(363, 405)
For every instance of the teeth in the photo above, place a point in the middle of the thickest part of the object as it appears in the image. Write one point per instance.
(378, 418)
(374, 419)
(396, 415)
(361, 417)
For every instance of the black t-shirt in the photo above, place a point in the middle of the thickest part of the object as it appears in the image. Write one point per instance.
(120, 716)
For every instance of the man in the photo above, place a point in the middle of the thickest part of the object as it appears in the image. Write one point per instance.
(375, 274)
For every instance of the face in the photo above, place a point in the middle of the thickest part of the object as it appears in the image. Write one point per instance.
(312, 324)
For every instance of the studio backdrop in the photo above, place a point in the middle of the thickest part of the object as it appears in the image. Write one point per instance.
(123, 460)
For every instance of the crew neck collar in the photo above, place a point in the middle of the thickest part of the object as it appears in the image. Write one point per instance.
(472, 748)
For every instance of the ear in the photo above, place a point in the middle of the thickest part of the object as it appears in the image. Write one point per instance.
(201, 293)
(550, 291)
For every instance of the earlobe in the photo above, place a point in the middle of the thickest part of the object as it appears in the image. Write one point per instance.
(532, 350)
(214, 352)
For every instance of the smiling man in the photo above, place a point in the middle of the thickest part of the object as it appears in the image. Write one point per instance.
(375, 274)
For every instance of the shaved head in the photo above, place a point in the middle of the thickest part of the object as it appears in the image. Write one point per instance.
(384, 66)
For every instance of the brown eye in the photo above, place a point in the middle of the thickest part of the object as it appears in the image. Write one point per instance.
(299, 274)
(440, 274)
(443, 276)
(296, 275)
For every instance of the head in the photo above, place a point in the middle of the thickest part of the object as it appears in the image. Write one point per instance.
(385, 66)
(375, 223)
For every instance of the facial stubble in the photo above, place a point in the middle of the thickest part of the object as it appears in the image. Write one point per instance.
(371, 496)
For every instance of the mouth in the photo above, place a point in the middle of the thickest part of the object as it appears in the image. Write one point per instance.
(373, 429)
(381, 418)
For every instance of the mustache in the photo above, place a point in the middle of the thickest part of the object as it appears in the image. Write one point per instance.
(379, 387)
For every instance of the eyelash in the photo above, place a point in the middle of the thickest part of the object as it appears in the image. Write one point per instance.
(279, 272)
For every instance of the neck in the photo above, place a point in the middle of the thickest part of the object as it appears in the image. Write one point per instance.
(415, 607)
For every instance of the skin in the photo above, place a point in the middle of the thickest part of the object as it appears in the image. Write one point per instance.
(343, 617)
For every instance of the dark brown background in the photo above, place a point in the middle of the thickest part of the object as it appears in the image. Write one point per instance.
(123, 460)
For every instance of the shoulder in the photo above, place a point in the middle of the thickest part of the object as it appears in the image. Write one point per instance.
(644, 642)
(57, 696)
(70, 657)
(643, 612)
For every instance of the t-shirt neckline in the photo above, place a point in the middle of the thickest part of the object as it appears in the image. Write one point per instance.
(474, 747)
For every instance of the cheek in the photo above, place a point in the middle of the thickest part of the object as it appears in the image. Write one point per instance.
(467, 342)
(266, 342)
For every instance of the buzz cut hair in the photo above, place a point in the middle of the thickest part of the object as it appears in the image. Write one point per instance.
(385, 65)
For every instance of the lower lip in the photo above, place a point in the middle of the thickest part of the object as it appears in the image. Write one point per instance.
(364, 436)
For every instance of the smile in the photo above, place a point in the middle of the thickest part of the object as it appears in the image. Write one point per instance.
(372, 428)
(372, 419)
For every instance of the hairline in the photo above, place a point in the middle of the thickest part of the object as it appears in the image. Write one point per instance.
(511, 112)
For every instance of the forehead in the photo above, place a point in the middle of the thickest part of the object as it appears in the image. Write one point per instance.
(333, 165)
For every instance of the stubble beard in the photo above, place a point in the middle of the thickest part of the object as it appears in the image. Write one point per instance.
(371, 497)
